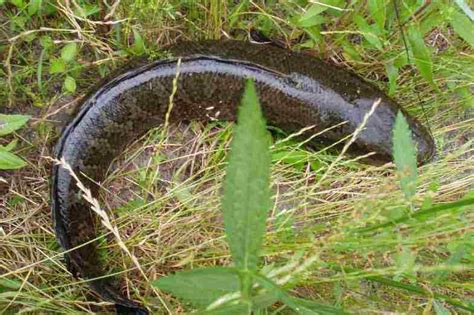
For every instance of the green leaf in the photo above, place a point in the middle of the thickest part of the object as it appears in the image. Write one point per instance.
(312, 15)
(466, 8)
(70, 84)
(318, 8)
(34, 6)
(200, 286)
(377, 12)
(57, 66)
(20, 4)
(228, 309)
(9, 161)
(46, 41)
(404, 155)
(368, 32)
(9, 147)
(10, 123)
(463, 27)
(9, 285)
(440, 309)
(313, 21)
(421, 54)
(69, 52)
(246, 199)
(138, 47)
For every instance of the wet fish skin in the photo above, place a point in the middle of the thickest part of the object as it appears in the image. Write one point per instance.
(295, 91)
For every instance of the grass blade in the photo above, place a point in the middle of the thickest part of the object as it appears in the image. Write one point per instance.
(246, 199)
(430, 211)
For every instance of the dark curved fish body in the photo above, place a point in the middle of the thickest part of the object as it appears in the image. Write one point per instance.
(295, 91)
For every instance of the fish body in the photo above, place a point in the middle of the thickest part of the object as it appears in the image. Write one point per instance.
(295, 91)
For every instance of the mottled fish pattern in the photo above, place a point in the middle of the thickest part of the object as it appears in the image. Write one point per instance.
(295, 91)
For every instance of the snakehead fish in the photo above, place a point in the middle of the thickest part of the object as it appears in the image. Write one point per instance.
(295, 91)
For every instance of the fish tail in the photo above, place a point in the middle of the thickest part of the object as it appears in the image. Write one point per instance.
(123, 305)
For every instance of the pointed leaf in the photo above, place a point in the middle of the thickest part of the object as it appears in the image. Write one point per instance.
(463, 27)
(10, 123)
(378, 12)
(9, 161)
(404, 155)
(246, 199)
(368, 32)
(421, 54)
(138, 46)
(200, 286)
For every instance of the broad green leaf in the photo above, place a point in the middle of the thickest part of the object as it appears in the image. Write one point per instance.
(377, 12)
(69, 52)
(34, 6)
(200, 286)
(421, 54)
(9, 161)
(70, 84)
(368, 32)
(404, 155)
(57, 66)
(10, 123)
(463, 27)
(246, 199)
